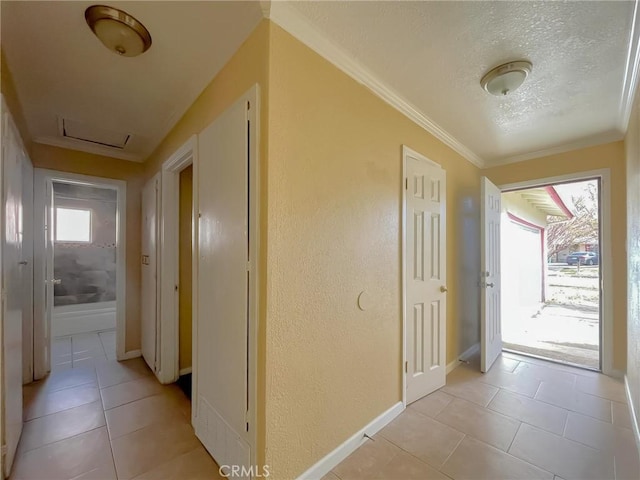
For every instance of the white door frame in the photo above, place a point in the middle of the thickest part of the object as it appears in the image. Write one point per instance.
(407, 152)
(606, 270)
(42, 178)
(169, 264)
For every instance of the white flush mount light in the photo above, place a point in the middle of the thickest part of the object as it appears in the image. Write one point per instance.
(504, 79)
(117, 30)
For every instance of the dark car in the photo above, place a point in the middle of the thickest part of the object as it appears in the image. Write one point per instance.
(582, 258)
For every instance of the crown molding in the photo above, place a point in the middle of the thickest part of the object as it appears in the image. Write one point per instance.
(265, 6)
(632, 70)
(88, 148)
(294, 23)
(591, 141)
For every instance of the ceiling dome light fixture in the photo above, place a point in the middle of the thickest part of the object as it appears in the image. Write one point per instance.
(117, 30)
(504, 79)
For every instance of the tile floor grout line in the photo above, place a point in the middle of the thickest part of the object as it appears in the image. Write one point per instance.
(129, 402)
(23, 452)
(514, 438)
(452, 452)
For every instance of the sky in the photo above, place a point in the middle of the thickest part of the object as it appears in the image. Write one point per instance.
(569, 190)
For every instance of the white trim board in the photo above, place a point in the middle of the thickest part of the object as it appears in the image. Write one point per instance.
(606, 317)
(635, 421)
(41, 179)
(331, 460)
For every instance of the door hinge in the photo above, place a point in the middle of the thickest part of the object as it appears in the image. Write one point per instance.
(248, 105)
(406, 367)
(406, 184)
(176, 288)
(246, 419)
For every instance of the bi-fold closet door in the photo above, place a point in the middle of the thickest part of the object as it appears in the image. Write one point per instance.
(225, 334)
(225, 285)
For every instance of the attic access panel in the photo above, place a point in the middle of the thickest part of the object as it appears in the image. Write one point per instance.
(89, 133)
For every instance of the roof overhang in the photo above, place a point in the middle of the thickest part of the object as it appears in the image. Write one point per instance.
(547, 200)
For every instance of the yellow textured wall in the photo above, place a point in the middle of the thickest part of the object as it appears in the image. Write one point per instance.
(632, 146)
(64, 160)
(248, 66)
(334, 230)
(184, 276)
(610, 156)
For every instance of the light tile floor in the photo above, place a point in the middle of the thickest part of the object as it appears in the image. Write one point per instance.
(106, 421)
(524, 419)
(84, 349)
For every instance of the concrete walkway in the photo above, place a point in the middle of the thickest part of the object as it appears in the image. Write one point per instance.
(568, 334)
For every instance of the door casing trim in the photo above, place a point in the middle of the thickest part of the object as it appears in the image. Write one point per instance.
(168, 357)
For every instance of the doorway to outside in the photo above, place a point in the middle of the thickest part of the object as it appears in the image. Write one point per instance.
(83, 323)
(551, 270)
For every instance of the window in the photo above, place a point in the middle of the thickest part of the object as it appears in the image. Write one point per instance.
(73, 225)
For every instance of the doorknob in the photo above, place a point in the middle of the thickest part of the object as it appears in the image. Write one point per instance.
(443, 289)
(24, 262)
(489, 284)
(56, 281)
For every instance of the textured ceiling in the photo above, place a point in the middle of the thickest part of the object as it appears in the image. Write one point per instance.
(62, 70)
(433, 54)
(430, 55)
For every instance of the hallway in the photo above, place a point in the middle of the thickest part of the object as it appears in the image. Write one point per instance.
(524, 419)
(106, 421)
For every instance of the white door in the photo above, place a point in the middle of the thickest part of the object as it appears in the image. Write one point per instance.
(150, 235)
(424, 276)
(490, 322)
(27, 271)
(12, 290)
(222, 353)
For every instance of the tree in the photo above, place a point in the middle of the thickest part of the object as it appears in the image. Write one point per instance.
(582, 228)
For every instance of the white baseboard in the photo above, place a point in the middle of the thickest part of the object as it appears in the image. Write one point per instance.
(185, 371)
(635, 421)
(129, 355)
(326, 464)
(466, 354)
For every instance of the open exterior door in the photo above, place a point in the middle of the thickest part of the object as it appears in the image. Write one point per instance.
(490, 322)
